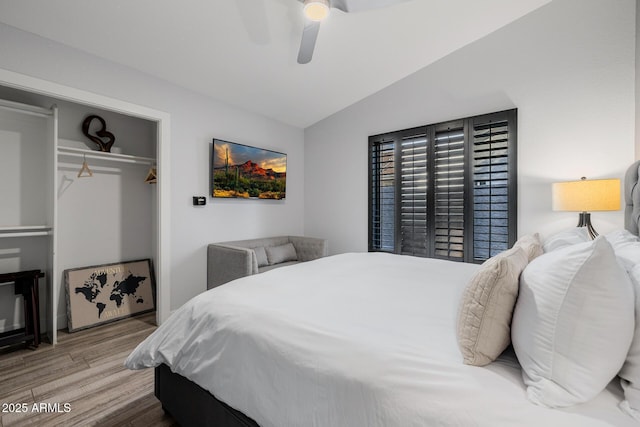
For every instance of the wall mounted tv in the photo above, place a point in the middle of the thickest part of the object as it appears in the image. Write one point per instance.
(242, 171)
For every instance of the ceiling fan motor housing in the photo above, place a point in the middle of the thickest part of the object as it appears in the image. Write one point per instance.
(316, 10)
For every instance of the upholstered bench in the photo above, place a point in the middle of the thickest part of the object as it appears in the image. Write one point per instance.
(227, 261)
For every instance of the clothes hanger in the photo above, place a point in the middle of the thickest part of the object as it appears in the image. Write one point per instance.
(85, 172)
(152, 176)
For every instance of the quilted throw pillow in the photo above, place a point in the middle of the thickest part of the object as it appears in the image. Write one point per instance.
(486, 307)
(531, 245)
(573, 303)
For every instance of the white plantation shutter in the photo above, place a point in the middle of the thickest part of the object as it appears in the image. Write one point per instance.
(446, 190)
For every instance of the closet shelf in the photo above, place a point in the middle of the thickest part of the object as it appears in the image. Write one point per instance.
(24, 108)
(24, 231)
(112, 157)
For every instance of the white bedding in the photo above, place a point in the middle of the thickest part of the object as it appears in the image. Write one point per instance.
(351, 340)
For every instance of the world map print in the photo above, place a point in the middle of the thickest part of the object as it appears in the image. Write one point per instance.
(93, 287)
(105, 293)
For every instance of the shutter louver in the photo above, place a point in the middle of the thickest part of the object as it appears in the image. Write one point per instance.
(490, 188)
(382, 196)
(413, 189)
(449, 193)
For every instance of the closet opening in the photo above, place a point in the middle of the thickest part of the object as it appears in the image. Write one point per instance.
(68, 205)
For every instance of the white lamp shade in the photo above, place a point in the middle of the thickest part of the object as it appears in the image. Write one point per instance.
(586, 195)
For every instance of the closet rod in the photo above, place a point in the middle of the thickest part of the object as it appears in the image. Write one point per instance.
(131, 159)
(25, 109)
(25, 234)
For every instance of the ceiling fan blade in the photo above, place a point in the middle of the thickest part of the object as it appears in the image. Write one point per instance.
(254, 18)
(362, 5)
(308, 43)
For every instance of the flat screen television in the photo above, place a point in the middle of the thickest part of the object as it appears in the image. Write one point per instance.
(242, 171)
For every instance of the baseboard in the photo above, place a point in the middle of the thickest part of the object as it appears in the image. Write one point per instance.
(8, 328)
(62, 321)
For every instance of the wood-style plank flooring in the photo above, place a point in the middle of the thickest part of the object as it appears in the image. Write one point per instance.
(85, 370)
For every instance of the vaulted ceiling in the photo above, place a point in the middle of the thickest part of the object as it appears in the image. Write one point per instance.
(243, 52)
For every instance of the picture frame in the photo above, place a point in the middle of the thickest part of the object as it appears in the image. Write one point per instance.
(105, 293)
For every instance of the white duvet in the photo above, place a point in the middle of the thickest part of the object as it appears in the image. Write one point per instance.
(351, 340)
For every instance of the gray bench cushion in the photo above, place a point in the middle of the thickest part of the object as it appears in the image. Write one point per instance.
(272, 267)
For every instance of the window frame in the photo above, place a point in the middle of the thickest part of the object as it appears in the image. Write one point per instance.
(469, 210)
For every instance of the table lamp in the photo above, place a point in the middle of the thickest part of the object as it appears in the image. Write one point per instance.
(584, 196)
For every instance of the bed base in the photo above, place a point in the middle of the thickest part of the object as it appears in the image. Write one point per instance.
(191, 405)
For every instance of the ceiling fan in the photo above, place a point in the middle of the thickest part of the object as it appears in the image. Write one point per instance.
(317, 10)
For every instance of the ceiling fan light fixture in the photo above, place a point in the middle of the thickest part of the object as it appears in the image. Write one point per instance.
(316, 10)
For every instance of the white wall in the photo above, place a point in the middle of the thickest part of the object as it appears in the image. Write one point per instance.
(568, 68)
(195, 120)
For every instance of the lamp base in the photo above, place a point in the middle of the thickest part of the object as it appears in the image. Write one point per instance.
(585, 221)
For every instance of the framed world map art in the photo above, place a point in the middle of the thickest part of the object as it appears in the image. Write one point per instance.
(105, 293)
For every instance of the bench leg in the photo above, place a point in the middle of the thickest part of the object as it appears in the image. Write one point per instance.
(35, 312)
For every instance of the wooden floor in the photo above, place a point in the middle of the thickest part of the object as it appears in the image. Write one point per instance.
(85, 371)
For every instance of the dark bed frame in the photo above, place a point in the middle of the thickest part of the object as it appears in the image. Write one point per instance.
(191, 405)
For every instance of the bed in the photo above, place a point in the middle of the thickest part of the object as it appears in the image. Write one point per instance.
(331, 343)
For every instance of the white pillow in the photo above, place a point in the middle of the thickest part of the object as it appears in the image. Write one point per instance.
(626, 246)
(627, 250)
(573, 323)
(566, 238)
(630, 372)
(621, 236)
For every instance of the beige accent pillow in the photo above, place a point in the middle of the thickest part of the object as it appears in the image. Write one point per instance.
(486, 307)
(531, 244)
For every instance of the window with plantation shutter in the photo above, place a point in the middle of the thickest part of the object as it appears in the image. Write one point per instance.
(449, 191)
(446, 190)
(382, 201)
(413, 193)
(491, 186)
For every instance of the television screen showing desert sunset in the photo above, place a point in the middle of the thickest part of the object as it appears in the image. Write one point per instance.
(242, 171)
